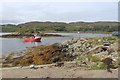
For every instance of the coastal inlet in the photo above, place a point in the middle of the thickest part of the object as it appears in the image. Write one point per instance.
(87, 53)
(15, 43)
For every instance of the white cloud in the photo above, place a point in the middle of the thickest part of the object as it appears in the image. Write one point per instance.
(60, 0)
(17, 12)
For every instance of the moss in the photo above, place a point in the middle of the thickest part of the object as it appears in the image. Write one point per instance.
(102, 66)
(93, 58)
(109, 38)
(98, 66)
(117, 63)
(80, 58)
(89, 55)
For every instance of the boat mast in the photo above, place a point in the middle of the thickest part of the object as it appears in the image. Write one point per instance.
(34, 30)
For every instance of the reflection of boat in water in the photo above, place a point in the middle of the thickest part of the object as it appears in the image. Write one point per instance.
(36, 38)
(78, 32)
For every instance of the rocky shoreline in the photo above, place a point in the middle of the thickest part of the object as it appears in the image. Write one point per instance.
(88, 53)
(17, 35)
(91, 56)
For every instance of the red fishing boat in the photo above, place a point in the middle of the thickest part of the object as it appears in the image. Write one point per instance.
(35, 38)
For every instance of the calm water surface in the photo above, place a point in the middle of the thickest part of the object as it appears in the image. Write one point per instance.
(16, 44)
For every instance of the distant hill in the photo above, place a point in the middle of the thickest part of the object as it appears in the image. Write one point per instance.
(61, 26)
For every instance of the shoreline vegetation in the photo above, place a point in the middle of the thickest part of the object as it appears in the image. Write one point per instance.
(17, 35)
(28, 27)
(87, 53)
(77, 57)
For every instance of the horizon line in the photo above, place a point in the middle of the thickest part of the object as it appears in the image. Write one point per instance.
(55, 21)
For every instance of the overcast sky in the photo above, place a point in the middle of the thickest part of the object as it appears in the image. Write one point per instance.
(26, 11)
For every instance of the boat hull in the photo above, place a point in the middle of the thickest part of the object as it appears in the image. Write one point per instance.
(32, 40)
(37, 40)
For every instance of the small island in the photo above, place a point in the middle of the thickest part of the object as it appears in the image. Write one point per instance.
(18, 35)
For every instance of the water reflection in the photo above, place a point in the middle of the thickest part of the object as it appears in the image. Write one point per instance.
(17, 44)
(37, 43)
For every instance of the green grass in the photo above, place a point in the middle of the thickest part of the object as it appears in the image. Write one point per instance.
(98, 66)
(80, 58)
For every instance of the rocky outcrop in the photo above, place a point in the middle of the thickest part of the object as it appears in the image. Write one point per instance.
(17, 35)
(93, 55)
(78, 46)
(87, 53)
